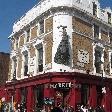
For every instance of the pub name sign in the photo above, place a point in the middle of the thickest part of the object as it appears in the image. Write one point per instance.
(65, 85)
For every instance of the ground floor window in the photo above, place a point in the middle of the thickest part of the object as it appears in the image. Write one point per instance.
(85, 91)
(99, 95)
(39, 96)
(23, 98)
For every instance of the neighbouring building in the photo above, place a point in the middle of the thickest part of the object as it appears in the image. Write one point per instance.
(4, 67)
(4, 70)
(62, 55)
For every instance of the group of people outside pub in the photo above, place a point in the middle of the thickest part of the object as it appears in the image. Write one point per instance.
(8, 107)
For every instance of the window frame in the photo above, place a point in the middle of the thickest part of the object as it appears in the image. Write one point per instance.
(95, 9)
(41, 27)
(28, 31)
(25, 64)
(38, 47)
(99, 63)
(96, 31)
(109, 18)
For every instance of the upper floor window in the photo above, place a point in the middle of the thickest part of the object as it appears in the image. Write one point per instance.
(12, 44)
(78, 1)
(17, 39)
(41, 26)
(40, 57)
(110, 36)
(96, 31)
(98, 62)
(14, 68)
(109, 17)
(94, 9)
(26, 64)
(28, 35)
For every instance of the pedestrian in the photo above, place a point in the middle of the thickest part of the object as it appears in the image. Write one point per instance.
(56, 109)
(44, 109)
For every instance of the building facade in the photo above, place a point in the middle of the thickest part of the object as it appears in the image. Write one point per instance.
(4, 70)
(61, 55)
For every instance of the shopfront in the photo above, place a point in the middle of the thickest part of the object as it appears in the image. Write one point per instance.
(60, 89)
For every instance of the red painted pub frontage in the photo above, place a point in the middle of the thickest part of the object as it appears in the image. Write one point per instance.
(54, 89)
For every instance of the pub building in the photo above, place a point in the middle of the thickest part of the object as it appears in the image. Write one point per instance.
(61, 55)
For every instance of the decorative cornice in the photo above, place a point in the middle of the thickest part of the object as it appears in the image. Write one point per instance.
(44, 8)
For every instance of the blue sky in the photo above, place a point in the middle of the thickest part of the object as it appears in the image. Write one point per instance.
(12, 10)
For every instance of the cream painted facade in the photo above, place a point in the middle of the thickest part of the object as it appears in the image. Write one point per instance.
(45, 23)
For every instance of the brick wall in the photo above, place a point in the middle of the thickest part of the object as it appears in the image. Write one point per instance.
(83, 43)
(48, 24)
(19, 65)
(33, 32)
(4, 67)
(21, 42)
(82, 26)
(104, 36)
(48, 48)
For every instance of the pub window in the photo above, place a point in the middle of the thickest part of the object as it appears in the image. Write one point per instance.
(39, 96)
(14, 69)
(110, 36)
(84, 94)
(26, 64)
(40, 57)
(96, 31)
(23, 97)
(41, 26)
(99, 95)
(98, 62)
(94, 9)
(109, 17)
(28, 35)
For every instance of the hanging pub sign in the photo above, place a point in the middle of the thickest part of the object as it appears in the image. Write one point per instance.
(61, 85)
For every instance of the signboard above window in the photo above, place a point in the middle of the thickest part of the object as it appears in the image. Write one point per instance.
(83, 56)
(61, 85)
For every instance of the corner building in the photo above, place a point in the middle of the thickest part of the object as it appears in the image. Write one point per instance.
(61, 55)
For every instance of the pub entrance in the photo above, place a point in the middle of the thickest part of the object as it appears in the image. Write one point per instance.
(62, 97)
(62, 92)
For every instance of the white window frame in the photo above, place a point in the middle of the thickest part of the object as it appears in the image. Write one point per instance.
(40, 33)
(37, 58)
(102, 57)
